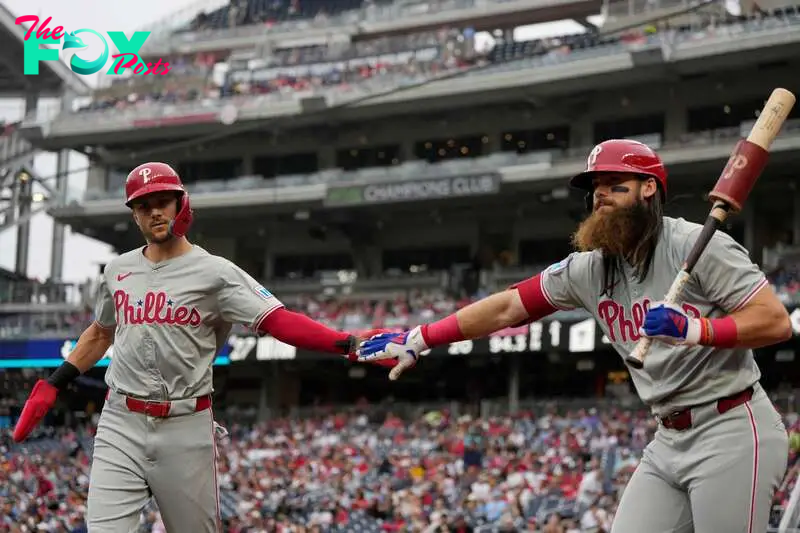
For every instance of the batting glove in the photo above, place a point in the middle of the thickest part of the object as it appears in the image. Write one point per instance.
(668, 323)
(41, 400)
(406, 347)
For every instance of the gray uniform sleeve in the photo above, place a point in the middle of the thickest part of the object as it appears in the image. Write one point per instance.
(105, 313)
(725, 272)
(241, 299)
(562, 281)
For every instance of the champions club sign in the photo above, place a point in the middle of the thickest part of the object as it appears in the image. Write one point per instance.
(413, 190)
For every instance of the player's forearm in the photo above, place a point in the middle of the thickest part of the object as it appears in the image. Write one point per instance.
(91, 347)
(488, 315)
(302, 332)
(478, 319)
(758, 326)
(520, 304)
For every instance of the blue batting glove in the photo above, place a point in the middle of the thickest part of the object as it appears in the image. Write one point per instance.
(668, 323)
(406, 347)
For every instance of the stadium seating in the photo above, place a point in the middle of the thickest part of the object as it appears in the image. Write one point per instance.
(248, 12)
(367, 470)
(298, 74)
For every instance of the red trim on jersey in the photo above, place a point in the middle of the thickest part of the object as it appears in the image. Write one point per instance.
(302, 332)
(754, 481)
(216, 473)
(257, 326)
(444, 331)
(534, 298)
(749, 296)
(106, 328)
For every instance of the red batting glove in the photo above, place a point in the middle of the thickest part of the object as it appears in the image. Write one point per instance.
(41, 400)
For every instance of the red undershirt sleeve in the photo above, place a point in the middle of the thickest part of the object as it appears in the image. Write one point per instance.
(302, 332)
(534, 299)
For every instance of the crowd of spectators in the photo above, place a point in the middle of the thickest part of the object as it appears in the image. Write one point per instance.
(392, 60)
(403, 310)
(548, 470)
(286, 71)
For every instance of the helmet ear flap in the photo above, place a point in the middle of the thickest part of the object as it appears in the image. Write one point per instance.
(183, 219)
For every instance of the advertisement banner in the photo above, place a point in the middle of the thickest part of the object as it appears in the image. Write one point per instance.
(571, 335)
(566, 336)
(412, 190)
(50, 353)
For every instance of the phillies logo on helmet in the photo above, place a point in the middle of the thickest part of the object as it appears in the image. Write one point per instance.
(592, 160)
(145, 173)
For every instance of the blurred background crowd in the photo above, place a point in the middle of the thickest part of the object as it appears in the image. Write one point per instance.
(551, 468)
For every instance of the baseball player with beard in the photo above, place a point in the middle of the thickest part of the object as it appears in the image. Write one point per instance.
(168, 308)
(721, 448)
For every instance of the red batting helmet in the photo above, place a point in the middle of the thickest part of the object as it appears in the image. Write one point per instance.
(622, 155)
(148, 178)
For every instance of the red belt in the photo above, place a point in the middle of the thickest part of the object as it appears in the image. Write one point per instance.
(161, 409)
(682, 420)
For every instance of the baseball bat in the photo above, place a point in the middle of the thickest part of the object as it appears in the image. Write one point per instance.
(744, 167)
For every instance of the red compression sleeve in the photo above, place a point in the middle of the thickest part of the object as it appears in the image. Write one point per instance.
(534, 299)
(444, 331)
(301, 331)
(719, 332)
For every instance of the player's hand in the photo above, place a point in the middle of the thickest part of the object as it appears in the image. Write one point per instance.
(354, 341)
(41, 400)
(668, 323)
(405, 347)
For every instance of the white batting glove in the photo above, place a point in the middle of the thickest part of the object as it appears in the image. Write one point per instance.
(405, 347)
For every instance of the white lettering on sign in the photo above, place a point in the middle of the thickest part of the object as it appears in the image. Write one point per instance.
(271, 349)
(460, 348)
(241, 347)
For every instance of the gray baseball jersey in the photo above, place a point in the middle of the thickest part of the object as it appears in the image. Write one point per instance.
(172, 318)
(726, 457)
(723, 280)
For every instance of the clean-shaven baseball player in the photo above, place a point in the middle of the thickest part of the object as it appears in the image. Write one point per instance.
(168, 308)
(721, 448)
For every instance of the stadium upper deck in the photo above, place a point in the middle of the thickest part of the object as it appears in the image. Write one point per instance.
(285, 144)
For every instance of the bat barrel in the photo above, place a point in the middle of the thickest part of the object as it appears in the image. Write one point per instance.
(771, 118)
(750, 155)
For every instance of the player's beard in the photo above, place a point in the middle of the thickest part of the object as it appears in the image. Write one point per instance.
(151, 237)
(161, 240)
(618, 232)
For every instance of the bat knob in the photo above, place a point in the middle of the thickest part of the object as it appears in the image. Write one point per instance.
(635, 363)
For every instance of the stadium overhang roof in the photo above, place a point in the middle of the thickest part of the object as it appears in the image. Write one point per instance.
(53, 77)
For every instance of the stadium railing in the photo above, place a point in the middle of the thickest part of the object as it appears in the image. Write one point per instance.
(346, 21)
(21, 294)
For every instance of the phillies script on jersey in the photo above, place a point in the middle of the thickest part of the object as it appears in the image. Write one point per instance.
(615, 317)
(155, 308)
